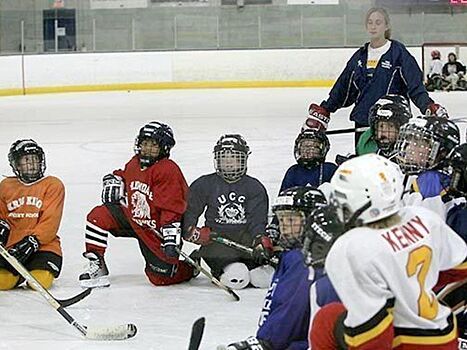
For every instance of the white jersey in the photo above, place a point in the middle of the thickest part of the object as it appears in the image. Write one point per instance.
(386, 276)
(436, 67)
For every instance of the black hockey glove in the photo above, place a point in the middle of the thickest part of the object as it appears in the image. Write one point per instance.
(251, 343)
(171, 239)
(113, 189)
(23, 250)
(4, 232)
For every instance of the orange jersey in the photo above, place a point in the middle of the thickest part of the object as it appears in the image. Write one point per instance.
(33, 209)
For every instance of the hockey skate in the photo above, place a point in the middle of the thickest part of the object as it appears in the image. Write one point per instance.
(96, 274)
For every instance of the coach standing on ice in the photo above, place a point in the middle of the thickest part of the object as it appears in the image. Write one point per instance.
(380, 67)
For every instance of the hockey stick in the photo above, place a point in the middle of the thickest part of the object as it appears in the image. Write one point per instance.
(119, 332)
(344, 131)
(118, 215)
(273, 261)
(75, 299)
(196, 333)
(207, 274)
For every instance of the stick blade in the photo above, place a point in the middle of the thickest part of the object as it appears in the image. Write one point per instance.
(75, 299)
(121, 332)
(197, 333)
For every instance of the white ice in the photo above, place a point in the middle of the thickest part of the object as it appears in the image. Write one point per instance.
(85, 136)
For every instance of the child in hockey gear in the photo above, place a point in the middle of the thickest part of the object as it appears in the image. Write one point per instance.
(311, 148)
(285, 316)
(379, 67)
(421, 149)
(384, 269)
(435, 72)
(457, 215)
(155, 190)
(31, 207)
(236, 207)
(386, 117)
(454, 74)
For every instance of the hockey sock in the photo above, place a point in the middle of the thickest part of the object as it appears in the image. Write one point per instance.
(44, 277)
(7, 280)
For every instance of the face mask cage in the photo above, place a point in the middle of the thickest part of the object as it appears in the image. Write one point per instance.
(291, 225)
(416, 150)
(28, 163)
(310, 152)
(385, 134)
(231, 164)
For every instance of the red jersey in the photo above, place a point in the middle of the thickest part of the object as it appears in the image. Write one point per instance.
(156, 195)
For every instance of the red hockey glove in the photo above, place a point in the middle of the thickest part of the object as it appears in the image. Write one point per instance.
(318, 119)
(263, 249)
(199, 235)
(436, 110)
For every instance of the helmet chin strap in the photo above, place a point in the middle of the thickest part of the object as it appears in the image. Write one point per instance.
(354, 220)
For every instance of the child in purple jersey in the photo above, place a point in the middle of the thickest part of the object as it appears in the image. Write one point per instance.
(284, 319)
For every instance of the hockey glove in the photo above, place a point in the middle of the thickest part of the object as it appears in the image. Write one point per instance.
(262, 249)
(23, 250)
(318, 118)
(113, 189)
(436, 110)
(272, 231)
(171, 234)
(251, 343)
(4, 232)
(199, 235)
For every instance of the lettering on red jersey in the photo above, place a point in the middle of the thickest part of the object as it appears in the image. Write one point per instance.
(403, 236)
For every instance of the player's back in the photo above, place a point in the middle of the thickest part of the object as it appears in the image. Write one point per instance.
(386, 276)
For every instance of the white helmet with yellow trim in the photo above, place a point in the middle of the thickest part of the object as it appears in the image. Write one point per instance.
(368, 188)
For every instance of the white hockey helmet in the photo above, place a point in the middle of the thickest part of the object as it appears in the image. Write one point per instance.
(368, 188)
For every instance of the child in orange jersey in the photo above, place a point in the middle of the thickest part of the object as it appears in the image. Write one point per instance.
(31, 207)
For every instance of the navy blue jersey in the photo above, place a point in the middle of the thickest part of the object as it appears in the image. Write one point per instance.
(457, 220)
(321, 293)
(285, 316)
(397, 72)
(230, 207)
(298, 175)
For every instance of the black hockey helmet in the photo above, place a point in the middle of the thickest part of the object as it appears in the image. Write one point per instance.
(34, 168)
(311, 147)
(230, 157)
(323, 226)
(160, 133)
(424, 142)
(457, 160)
(291, 208)
(395, 113)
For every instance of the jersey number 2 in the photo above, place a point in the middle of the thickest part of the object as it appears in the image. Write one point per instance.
(427, 306)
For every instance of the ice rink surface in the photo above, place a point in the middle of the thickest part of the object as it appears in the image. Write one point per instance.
(87, 135)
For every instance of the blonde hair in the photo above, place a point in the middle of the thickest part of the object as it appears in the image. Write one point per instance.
(386, 222)
(387, 33)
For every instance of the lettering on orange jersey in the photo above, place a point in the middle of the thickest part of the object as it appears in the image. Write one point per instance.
(19, 202)
(403, 236)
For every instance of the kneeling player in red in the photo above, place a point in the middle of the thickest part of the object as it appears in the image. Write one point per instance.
(145, 201)
(31, 206)
(385, 268)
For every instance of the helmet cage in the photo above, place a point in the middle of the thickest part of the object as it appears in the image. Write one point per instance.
(22, 148)
(230, 164)
(417, 149)
(291, 227)
(162, 134)
(311, 148)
